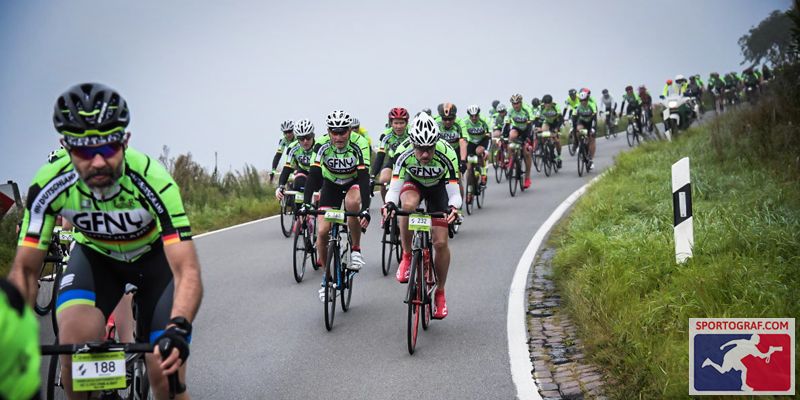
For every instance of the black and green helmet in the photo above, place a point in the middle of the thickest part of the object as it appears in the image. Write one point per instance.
(91, 114)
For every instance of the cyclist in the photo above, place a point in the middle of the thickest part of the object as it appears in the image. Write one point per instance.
(427, 171)
(358, 129)
(676, 88)
(299, 158)
(339, 171)
(287, 127)
(586, 117)
(609, 106)
(570, 104)
(451, 131)
(716, 86)
(536, 107)
(751, 78)
(19, 339)
(647, 105)
(132, 228)
(493, 111)
(478, 132)
(500, 123)
(552, 119)
(634, 106)
(521, 118)
(391, 138)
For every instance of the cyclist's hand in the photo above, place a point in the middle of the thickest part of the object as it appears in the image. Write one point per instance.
(271, 177)
(388, 209)
(451, 217)
(173, 349)
(363, 219)
(304, 209)
(279, 193)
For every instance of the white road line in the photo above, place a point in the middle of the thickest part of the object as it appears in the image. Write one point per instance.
(518, 353)
(236, 226)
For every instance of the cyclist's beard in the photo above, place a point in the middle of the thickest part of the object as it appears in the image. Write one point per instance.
(109, 185)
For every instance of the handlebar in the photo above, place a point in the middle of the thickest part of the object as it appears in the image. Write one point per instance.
(95, 347)
(438, 214)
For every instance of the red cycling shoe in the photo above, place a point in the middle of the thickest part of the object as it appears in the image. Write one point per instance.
(439, 304)
(404, 268)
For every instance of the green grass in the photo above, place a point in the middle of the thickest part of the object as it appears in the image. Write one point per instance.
(615, 253)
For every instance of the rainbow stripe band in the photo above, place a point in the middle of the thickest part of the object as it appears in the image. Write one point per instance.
(171, 239)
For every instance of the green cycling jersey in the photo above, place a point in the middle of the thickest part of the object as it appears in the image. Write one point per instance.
(550, 113)
(632, 99)
(585, 112)
(390, 140)
(298, 158)
(19, 346)
(341, 166)
(442, 167)
(522, 118)
(476, 131)
(453, 135)
(121, 222)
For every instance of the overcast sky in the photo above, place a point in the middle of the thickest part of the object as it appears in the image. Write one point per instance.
(203, 76)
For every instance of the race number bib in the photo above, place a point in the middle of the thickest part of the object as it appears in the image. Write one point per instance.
(98, 371)
(419, 222)
(335, 216)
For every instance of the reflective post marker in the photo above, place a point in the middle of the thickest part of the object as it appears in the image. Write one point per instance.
(682, 209)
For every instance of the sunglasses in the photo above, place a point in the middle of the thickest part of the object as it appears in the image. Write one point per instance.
(339, 131)
(306, 138)
(87, 153)
(448, 119)
(425, 149)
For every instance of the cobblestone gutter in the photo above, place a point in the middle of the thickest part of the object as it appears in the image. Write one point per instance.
(559, 367)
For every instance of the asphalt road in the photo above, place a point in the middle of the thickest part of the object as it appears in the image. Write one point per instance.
(260, 335)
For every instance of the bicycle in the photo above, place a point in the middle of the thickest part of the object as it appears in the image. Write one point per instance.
(390, 244)
(548, 153)
(583, 152)
(337, 276)
(305, 237)
(516, 169)
(499, 159)
(287, 210)
(57, 258)
(422, 274)
(632, 132)
(475, 188)
(120, 368)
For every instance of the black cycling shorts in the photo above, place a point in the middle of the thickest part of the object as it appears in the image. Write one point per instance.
(555, 126)
(331, 195)
(92, 278)
(524, 133)
(435, 196)
(472, 147)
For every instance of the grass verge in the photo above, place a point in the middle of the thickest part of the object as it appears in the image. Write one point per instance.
(615, 253)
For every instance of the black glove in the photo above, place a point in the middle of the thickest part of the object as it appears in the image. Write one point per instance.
(390, 206)
(462, 166)
(304, 209)
(175, 337)
(364, 214)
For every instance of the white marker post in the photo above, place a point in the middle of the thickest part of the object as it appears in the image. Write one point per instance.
(682, 208)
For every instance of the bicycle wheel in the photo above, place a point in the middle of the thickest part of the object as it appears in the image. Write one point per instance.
(387, 248)
(286, 219)
(470, 191)
(581, 151)
(348, 277)
(629, 135)
(480, 197)
(512, 179)
(140, 385)
(570, 144)
(330, 286)
(430, 284)
(498, 164)
(537, 158)
(54, 390)
(548, 165)
(520, 174)
(44, 297)
(415, 288)
(300, 250)
(396, 240)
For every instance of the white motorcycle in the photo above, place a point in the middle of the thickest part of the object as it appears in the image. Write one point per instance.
(678, 111)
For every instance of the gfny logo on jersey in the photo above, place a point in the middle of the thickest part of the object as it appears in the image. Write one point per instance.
(450, 136)
(340, 165)
(304, 159)
(110, 222)
(476, 130)
(425, 171)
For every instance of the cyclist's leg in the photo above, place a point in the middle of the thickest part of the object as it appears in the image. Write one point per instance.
(352, 203)
(592, 145)
(409, 201)
(436, 200)
(331, 196)
(480, 150)
(123, 319)
(513, 137)
(525, 135)
(89, 292)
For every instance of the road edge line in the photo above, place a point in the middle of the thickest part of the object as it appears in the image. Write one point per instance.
(518, 352)
(235, 226)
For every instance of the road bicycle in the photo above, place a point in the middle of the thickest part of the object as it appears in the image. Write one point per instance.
(516, 167)
(499, 159)
(337, 277)
(583, 152)
(632, 132)
(611, 124)
(390, 244)
(50, 274)
(422, 273)
(304, 249)
(476, 189)
(547, 153)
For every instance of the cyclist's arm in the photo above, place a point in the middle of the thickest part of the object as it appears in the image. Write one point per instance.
(285, 172)
(398, 177)
(453, 192)
(24, 271)
(377, 165)
(313, 183)
(276, 159)
(363, 173)
(185, 266)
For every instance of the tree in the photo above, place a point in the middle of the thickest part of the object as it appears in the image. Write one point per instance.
(770, 40)
(794, 15)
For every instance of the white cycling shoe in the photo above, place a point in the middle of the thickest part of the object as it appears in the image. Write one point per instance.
(356, 261)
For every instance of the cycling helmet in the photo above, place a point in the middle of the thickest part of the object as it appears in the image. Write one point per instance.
(572, 92)
(473, 110)
(447, 110)
(547, 99)
(304, 128)
(495, 103)
(287, 125)
(398, 113)
(679, 78)
(355, 123)
(535, 102)
(605, 91)
(516, 98)
(427, 111)
(501, 108)
(424, 131)
(583, 95)
(669, 81)
(91, 114)
(715, 74)
(629, 88)
(642, 88)
(338, 119)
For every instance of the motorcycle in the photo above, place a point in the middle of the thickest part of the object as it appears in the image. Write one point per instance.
(678, 114)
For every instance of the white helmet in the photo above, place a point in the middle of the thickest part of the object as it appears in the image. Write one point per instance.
(473, 110)
(679, 77)
(287, 125)
(583, 95)
(501, 107)
(304, 128)
(424, 131)
(355, 122)
(338, 119)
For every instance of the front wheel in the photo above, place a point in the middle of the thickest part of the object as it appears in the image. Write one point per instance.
(287, 219)
(387, 248)
(629, 135)
(498, 164)
(571, 144)
(416, 286)
(301, 254)
(581, 157)
(512, 176)
(330, 287)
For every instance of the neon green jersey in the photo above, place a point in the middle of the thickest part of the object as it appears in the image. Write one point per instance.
(298, 158)
(476, 131)
(390, 141)
(452, 135)
(550, 113)
(122, 222)
(341, 166)
(442, 167)
(522, 118)
(19, 346)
